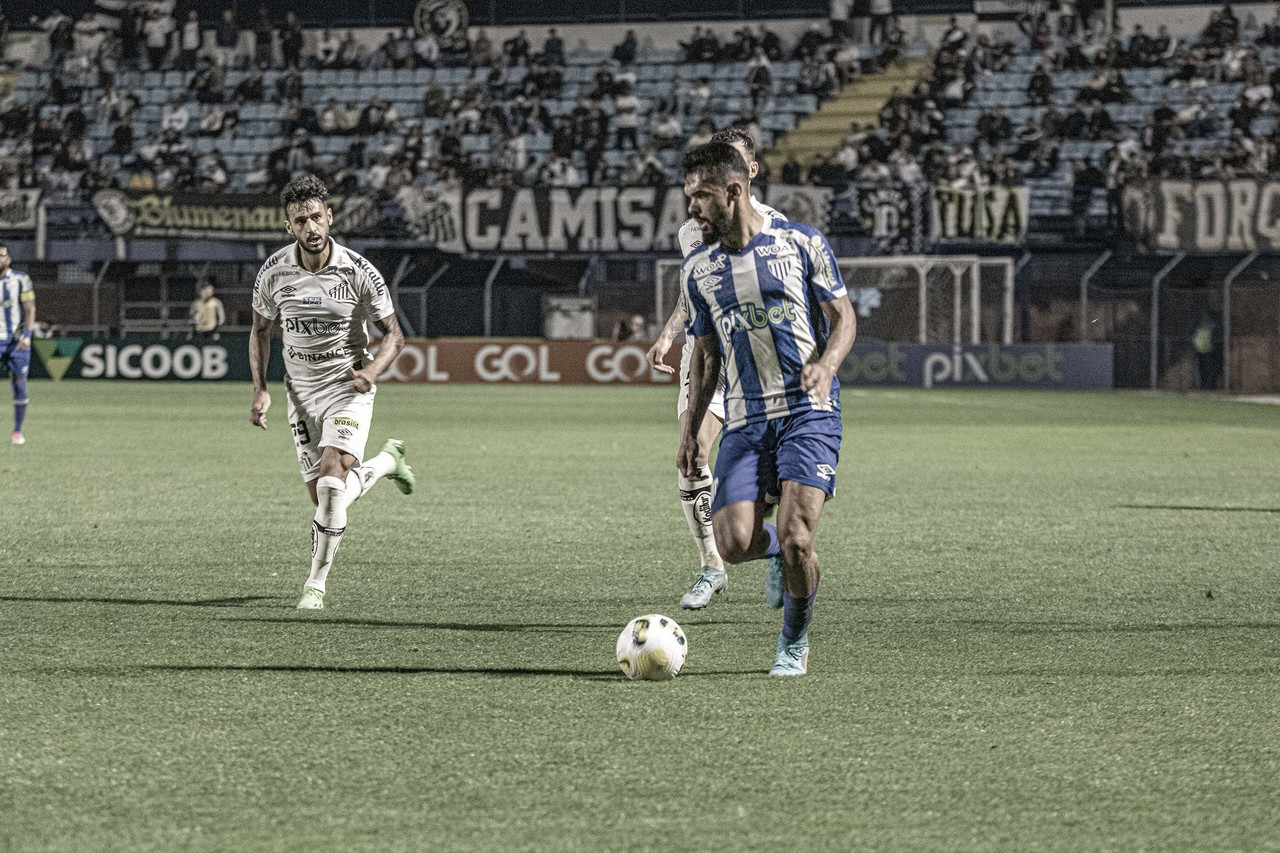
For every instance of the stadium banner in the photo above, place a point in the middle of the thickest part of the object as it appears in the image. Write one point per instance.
(150, 358)
(1239, 215)
(1078, 367)
(803, 204)
(210, 216)
(527, 361)
(990, 215)
(18, 209)
(890, 216)
(585, 219)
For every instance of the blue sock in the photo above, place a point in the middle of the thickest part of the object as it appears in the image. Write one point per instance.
(796, 615)
(774, 550)
(19, 403)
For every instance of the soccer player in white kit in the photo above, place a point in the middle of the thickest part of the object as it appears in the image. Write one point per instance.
(695, 492)
(323, 294)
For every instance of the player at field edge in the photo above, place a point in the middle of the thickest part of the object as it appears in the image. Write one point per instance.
(18, 302)
(766, 300)
(695, 492)
(323, 295)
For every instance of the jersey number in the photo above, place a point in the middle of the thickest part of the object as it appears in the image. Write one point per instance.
(301, 435)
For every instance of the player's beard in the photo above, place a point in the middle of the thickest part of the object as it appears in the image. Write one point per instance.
(719, 222)
(314, 244)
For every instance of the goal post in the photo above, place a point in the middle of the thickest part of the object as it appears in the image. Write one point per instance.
(957, 299)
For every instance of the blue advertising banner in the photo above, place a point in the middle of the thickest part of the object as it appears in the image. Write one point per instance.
(1077, 367)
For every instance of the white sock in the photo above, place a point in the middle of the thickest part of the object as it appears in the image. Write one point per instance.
(695, 500)
(360, 480)
(326, 528)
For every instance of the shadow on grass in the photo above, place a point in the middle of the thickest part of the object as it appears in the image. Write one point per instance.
(1191, 508)
(496, 671)
(515, 627)
(1149, 628)
(237, 601)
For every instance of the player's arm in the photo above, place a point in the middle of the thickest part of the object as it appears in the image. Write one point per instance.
(28, 300)
(666, 338)
(825, 280)
(704, 374)
(259, 356)
(392, 343)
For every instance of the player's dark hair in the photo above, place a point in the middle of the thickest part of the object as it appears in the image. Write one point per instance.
(304, 189)
(718, 162)
(730, 135)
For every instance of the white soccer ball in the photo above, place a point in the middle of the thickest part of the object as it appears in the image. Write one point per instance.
(652, 648)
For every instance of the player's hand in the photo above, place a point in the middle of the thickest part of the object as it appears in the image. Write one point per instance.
(24, 343)
(691, 458)
(258, 411)
(815, 379)
(657, 353)
(363, 379)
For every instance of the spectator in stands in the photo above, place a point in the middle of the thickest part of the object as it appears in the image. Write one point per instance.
(895, 43)
(175, 116)
(207, 314)
(817, 77)
(698, 98)
(872, 171)
(1223, 28)
(213, 173)
(189, 41)
(85, 38)
(207, 83)
(553, 48)
(480, 52)
(291, 40)
(252, 87)
(881, 11)
(603, 86)
(516, 50)
(626, 51)
(594, 142)
(759, 79)
(156, 32)
(810, 43)
(770, 43)
(626, 118)
(1100, 125)
(954, 39)
(327, 47)
(426, 50)
(385, 55)
(702, 46)
(217, 119)
(563, 140)
(263, 35)
(349, 52)
(559, 172)
(289, 86)
(644, 169)
(1242, 114)
(1040, 88)
(994, 127)
(227, 39)
(434, 101)
(956, 91)
(57, 23)
(701, 135)
(666, 132)
(847, 158)
(792, 171)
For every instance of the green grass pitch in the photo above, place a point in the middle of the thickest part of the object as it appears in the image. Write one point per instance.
(1047, 622)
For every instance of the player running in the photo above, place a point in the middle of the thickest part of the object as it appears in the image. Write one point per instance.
(18, 305)
(695, 492)
(323, 294)
(766, 301)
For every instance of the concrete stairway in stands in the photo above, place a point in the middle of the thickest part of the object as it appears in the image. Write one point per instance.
(823, 130)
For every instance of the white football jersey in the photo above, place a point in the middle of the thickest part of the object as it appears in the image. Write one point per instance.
(323, 314)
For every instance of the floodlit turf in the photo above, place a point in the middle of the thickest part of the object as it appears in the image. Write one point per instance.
(1047, 622)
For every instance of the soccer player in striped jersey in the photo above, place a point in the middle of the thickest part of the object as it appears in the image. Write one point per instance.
(18, 306)
(695, 492)
(766, 301)
(324, 294)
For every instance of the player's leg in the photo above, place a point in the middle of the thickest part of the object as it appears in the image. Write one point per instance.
(745, 474)
(329, 522)
(19, 364)
(355, 416)
(808, 452)
(695, 501)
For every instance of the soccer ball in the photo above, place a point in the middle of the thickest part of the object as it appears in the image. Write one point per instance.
(652, 648)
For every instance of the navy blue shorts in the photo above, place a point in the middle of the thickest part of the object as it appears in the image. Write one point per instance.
(13, 361)
(754, 459)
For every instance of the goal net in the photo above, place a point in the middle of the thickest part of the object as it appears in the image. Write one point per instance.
(930, 299)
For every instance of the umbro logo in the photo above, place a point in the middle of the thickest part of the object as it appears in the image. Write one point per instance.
(288, 290)
(712, 281)
(826, 472)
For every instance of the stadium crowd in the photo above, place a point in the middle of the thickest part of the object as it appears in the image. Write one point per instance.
(50, 148)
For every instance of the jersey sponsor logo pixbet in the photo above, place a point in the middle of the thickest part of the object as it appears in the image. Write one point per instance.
(751, 316)
(315, 326)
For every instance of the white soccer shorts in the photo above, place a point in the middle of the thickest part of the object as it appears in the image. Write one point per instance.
(337, 418)
(682, 403)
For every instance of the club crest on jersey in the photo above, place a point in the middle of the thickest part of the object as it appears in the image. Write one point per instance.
(780, 268)
(342, 293)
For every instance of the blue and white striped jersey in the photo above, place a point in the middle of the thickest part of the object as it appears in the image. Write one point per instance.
(764, 303)
(15, 289)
